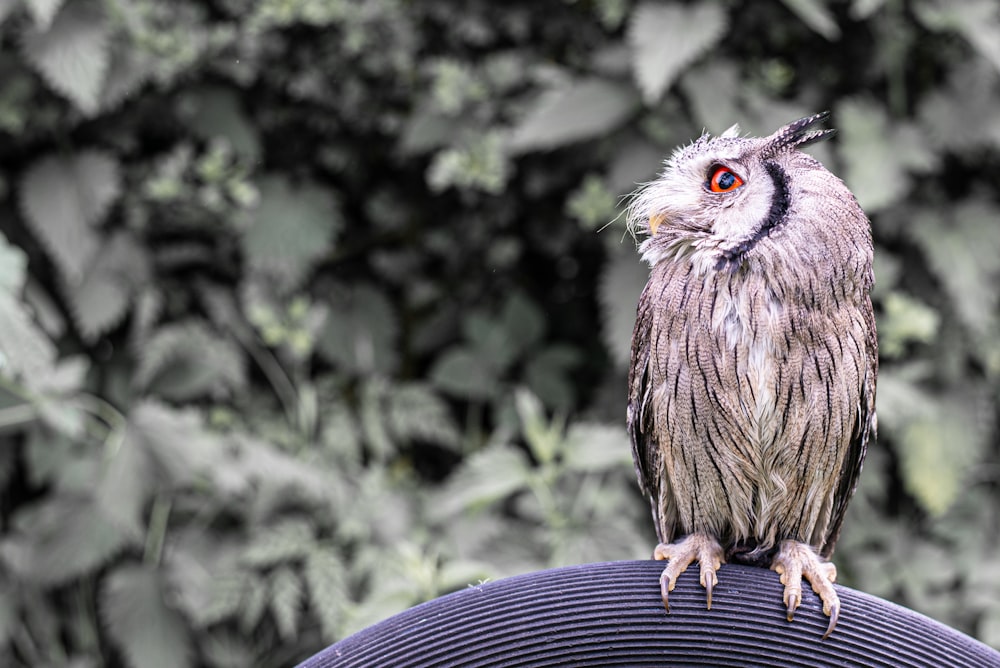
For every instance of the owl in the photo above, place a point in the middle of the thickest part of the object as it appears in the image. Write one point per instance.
(754, 357)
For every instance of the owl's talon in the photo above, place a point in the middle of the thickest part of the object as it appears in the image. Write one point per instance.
(793, 605)
(696, 547)
(834, 615)
(796, 561)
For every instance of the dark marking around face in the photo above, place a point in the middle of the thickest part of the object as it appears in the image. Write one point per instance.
(780, 201)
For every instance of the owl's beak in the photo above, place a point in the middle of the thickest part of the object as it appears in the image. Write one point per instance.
(655, 222)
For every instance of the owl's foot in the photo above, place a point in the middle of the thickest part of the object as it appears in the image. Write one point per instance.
(795, 561)
(698, 547)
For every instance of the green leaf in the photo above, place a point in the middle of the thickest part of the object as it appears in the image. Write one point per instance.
(950, 126)
(188, 359)
(487, 476)
(478, 163)
(325, 581)
(292, 228)
(72, 55)
(904, 320)
(816, 15)
(878, 154)
(465, 374)
(292, 538)
(60, 539)
(939, 437)
(373, 422)
(547, 374)
(359, 335)
(581, 110)
(619, 288)
(594, 448)
(286, 597)
(127, 484)
(102, 298)
(962, 248)
(25, 350)
(63, 199)
(43, 11)
(522, 322)
(13, 268)
(416, 412)
(217, 112)
(137, 618)
(975, 20)
(177, 441)
(666, 37)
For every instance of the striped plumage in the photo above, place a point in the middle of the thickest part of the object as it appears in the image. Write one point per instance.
(752, 382)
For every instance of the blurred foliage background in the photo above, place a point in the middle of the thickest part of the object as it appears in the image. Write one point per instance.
(310, 310)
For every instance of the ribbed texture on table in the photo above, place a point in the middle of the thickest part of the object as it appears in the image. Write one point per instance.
(610, 614)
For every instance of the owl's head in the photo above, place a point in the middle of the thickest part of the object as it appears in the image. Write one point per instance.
(720, 196)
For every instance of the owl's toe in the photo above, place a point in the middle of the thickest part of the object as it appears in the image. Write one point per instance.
(698, 547)
(795, 561)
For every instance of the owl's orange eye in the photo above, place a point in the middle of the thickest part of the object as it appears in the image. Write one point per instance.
(723, 180)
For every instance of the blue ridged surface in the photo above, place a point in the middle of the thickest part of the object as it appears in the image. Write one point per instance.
(610, 614)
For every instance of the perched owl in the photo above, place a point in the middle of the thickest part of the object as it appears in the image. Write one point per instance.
(752, 378)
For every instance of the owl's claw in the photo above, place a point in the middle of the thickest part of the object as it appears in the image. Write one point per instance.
(795, 561)
(696, 547)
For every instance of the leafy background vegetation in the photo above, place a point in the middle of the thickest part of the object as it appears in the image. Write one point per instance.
(309, 309)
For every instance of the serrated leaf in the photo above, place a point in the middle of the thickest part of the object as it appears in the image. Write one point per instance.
(816, 15)
(877, 154)
(43, 11)
(73, 54)
(417, 412)
(966, 126)
(13, 267)
(25, 350)
(293, 226)
(962, 247)
(224, 649)
(975, 20)
(286, 597)
(373, 423)
(188, 359)
(324, 578)
(359, 335)
(523, 322)
(63, 198)
(177, 441)
(254, 603)
(939, 437)
(547, 374)
(904, 320)
(131, 67)
(619, 288)
(61, 539)
(485, 477)
(464, 374)
(581, 110)
(490, 339)
(137, 618)
(593, 447)
(217, 112)
(101, 299)
(666, 37)
(289, 539)
(127, 483)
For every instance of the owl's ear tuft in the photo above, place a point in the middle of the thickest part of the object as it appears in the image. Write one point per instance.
(797, 134)
(732, 133)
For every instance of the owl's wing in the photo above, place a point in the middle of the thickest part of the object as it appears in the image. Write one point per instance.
(864, 429)
(646, 451)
